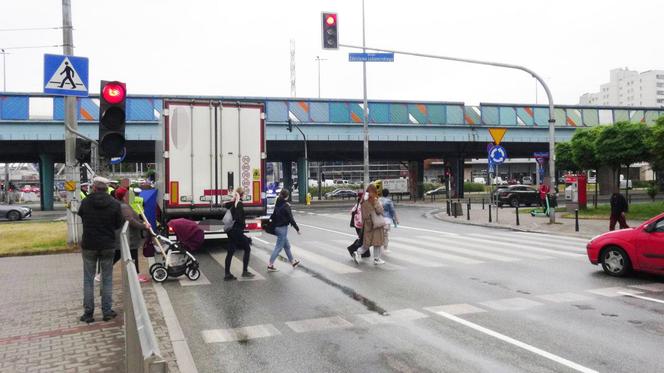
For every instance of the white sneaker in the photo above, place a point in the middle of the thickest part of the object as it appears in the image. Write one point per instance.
(98, 277)
(356, 257)
(379, 261)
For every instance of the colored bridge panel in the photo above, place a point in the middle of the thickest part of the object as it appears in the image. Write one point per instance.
(300, 110)
(356, 112)
(590, 117)
(490, 115)
(573, 117)
(455, 114)
(418, 113)
(379, 113)
(399, 113)
(652, 115)
(319, 112)
(472, 115)
(437, 114)
(14, 108)
(637, 116)
(277, 111)
(620, 115)
(541, 116)
(507, 116)
(339, 112)
(140, 109)
(88, 109)
(524, 116)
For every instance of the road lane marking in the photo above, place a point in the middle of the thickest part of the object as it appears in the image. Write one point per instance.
(581, 241)
(511, 304)
(185, 281)
(613, 291)
(488, 248)
(563, 297)
(401, 244)
(394, 317)
(328, 230)
(514, 342)
(430, 231)
(395, 254)
(544, 243)
(530, 248)
(455, 309)
(264, 257)
(458, 250)
(313, 325)
(239, 334)
(220, 257)
(640, 297)
(343, 252)
(652, 287)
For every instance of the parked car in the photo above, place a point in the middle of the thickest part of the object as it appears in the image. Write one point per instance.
(15, 212)
(436, 192)
(516, 195)
(496, 192)
(527, 180)
(622, 251)
(340, 193)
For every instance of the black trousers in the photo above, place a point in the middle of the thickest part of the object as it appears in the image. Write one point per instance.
(358, 243)
(134, 257)
(237, 241)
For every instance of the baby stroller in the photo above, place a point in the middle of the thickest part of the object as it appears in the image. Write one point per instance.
(175, 259)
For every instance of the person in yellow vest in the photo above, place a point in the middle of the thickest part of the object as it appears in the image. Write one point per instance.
(84, 190)
(137, 202)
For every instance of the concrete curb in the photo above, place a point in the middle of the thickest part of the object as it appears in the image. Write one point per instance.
(505, 227)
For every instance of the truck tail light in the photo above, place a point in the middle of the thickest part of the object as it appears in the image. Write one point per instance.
(254, 225)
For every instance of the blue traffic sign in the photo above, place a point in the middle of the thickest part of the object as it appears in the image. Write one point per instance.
(65, 75)
(497, 154)
(541, 155)
(371, 57)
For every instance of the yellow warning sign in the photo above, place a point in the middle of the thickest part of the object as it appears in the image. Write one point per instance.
(257, 174)
(70, 185)
(497, 134)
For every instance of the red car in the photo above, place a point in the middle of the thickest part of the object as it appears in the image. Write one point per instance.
(624, 250)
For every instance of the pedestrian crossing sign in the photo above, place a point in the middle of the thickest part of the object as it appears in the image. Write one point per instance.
(65, 75)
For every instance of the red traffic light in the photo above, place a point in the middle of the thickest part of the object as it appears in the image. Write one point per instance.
(331, 19)
(113, 92)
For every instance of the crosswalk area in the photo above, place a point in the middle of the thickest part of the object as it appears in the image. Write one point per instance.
(409, 249)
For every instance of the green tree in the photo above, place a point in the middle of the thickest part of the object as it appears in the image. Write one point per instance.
(584, 152)
(656, 145)
(622, 144)
(564, 160)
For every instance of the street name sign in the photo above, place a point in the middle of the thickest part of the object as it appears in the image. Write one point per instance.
(498, 154)
(65, 75)
(497, 134)
(371, 57)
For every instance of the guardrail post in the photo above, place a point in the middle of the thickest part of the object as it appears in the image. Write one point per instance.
(489, 213)
(448, 207)
(468, 210)
(517, 214)
(482, 203)
(576, 220)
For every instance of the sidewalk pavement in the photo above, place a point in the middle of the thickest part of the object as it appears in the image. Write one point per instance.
(506, 218)
(40, 310)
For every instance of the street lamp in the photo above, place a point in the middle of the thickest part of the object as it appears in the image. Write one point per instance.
(4, 70)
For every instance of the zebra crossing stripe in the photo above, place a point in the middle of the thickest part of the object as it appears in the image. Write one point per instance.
(404, 245)
(531, 248)
(458, 250)
(518, 253)
(220, 258)
(395, 254)
(546, 243)
(313, 325)
(341, 251)
(323, 261)
(394, 317)
(239, 334)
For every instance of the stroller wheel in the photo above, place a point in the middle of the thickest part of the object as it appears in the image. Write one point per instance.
(160, 274)
(193, 274)
(154, 266)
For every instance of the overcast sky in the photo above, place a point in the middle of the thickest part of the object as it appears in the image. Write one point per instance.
(242, 48)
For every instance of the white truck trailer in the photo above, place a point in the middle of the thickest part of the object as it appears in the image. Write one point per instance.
(206, 150)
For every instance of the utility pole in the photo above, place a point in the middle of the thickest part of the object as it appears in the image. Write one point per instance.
(71, 123)
(4, 70)
(365, 124)
(318, 59)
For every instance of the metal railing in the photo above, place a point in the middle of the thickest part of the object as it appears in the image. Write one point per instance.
(141, 348)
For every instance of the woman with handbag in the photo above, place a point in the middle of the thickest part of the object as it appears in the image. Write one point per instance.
(372, 222)
(356, 222)
(282, 216)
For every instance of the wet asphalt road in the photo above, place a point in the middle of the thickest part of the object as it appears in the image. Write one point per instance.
(457, 299)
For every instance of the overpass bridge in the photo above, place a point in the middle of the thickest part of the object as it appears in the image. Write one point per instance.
(32, 128)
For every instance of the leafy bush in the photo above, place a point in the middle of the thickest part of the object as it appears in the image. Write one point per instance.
(652, 190)
(640, 183)
(473, 187)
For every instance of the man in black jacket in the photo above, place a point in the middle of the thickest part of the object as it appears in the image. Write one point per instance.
(618, 209)
(102, 216)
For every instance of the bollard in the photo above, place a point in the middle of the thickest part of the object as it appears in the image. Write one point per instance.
(448, 207)
(482, 204)
(468, 210)
(469, 203)
(576, 219)
(489, 213)
(517, 214)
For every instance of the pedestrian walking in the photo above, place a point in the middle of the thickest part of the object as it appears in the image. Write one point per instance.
(390, 215)
(372, 224)
(282, 217)
(619, 207)
(543, 191)
(237, 238)
(134, 233)
(356, 222)
(101, 216)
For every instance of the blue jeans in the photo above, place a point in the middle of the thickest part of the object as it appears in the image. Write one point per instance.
(105, 259)
(282, 243)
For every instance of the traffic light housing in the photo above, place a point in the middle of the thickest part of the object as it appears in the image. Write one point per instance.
(330, 31)
(83, 150)
(112, 118)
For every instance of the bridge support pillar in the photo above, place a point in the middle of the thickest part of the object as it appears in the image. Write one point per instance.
(302, 180)
(287, 170)
(456, 178)
(46, 182)
(416, 176)
(607, 180)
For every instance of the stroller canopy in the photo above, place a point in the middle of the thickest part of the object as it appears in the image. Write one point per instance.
(188, 233)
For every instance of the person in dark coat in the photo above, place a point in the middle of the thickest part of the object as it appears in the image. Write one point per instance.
(101, 216)
(618, 209)
(282, 216)
(237, 238)
(356, 222)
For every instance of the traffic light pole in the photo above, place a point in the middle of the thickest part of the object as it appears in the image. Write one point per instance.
(365, 125)
(552, 120)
